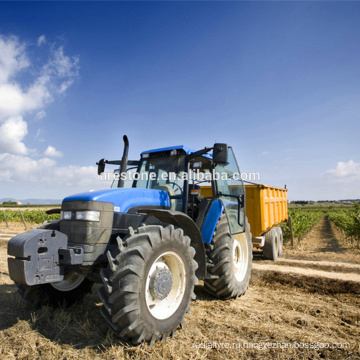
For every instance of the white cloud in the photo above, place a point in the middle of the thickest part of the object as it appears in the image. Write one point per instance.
(41, 40)
(83, 176)
(39, 135)
(62, 65)
(54, 78)
(264, 153)
(19, 99)
(65, 85)
(348, 170)
(17, 168)
(40, 115)
(12, 100)
(12, 58)
(52, 152)
(12, 133)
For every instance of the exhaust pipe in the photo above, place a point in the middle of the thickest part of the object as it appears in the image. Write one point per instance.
(124, 162)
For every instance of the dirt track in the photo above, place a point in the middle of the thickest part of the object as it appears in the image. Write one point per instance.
(323, 253)
(306, 301)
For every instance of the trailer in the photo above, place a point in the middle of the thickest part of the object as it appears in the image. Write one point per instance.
(266, 208)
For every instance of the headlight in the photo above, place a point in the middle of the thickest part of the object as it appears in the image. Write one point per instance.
(88, 215)
(65, 215)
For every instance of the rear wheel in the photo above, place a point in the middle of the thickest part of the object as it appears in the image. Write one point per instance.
(149, 284)
(230, 260)
(271, 247)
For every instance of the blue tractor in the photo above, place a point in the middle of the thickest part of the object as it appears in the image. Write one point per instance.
(147, 241)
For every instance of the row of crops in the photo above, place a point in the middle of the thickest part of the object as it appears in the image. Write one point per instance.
(348, 220)
(302, 221)
(32, 216)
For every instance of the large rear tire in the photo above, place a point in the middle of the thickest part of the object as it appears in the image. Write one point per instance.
(230, 260)
(149, 284)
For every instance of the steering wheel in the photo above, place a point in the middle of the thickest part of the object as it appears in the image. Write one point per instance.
(176, 187)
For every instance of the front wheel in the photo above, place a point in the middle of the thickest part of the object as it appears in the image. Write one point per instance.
(70, 290)
(229, 261)
(149, 284)
(63, 293)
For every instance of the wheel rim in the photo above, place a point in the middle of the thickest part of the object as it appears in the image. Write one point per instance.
(240, 257)
(71, 281)
(167, 263)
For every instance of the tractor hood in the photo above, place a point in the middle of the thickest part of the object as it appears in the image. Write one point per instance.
(124, 198)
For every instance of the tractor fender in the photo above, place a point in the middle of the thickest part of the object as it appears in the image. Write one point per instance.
(190, 229)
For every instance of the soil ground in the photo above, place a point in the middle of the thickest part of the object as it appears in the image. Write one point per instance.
(16, 227)
(305, 305)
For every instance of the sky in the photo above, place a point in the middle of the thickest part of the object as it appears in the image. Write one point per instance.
(278, 81)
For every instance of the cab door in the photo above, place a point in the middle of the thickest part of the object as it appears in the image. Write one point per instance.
(230, 190)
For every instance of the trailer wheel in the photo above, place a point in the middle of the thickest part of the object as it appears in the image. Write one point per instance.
(230, 261)
(64, 293)
(149, 284)
(271, 247)
(280, 240)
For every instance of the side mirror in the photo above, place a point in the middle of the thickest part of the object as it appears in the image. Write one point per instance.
(220, 154)
(101, 166)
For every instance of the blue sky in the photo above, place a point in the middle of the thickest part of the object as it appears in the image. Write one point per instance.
(279, 81)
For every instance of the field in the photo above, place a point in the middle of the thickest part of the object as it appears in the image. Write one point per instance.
(349, 221)
(15, 218)
(302, 221)
(305, 305)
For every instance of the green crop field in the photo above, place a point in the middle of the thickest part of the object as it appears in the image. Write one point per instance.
(346, 217)
(302, 221)
(348, 220)
(33, 216)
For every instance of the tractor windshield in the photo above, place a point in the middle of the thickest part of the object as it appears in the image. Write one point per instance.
(129, 180)
(163, 173)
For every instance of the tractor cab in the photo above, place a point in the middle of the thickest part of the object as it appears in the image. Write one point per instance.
(192, 179)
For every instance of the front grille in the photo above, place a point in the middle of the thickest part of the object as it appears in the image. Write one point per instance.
(88, 232)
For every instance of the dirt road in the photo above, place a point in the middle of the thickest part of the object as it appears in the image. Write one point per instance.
(323, 253)
(306, 305)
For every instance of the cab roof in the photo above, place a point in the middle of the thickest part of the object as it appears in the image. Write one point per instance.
(169, 148)
(186, 149)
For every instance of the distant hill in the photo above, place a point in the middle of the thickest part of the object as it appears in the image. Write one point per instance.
(34, 201)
